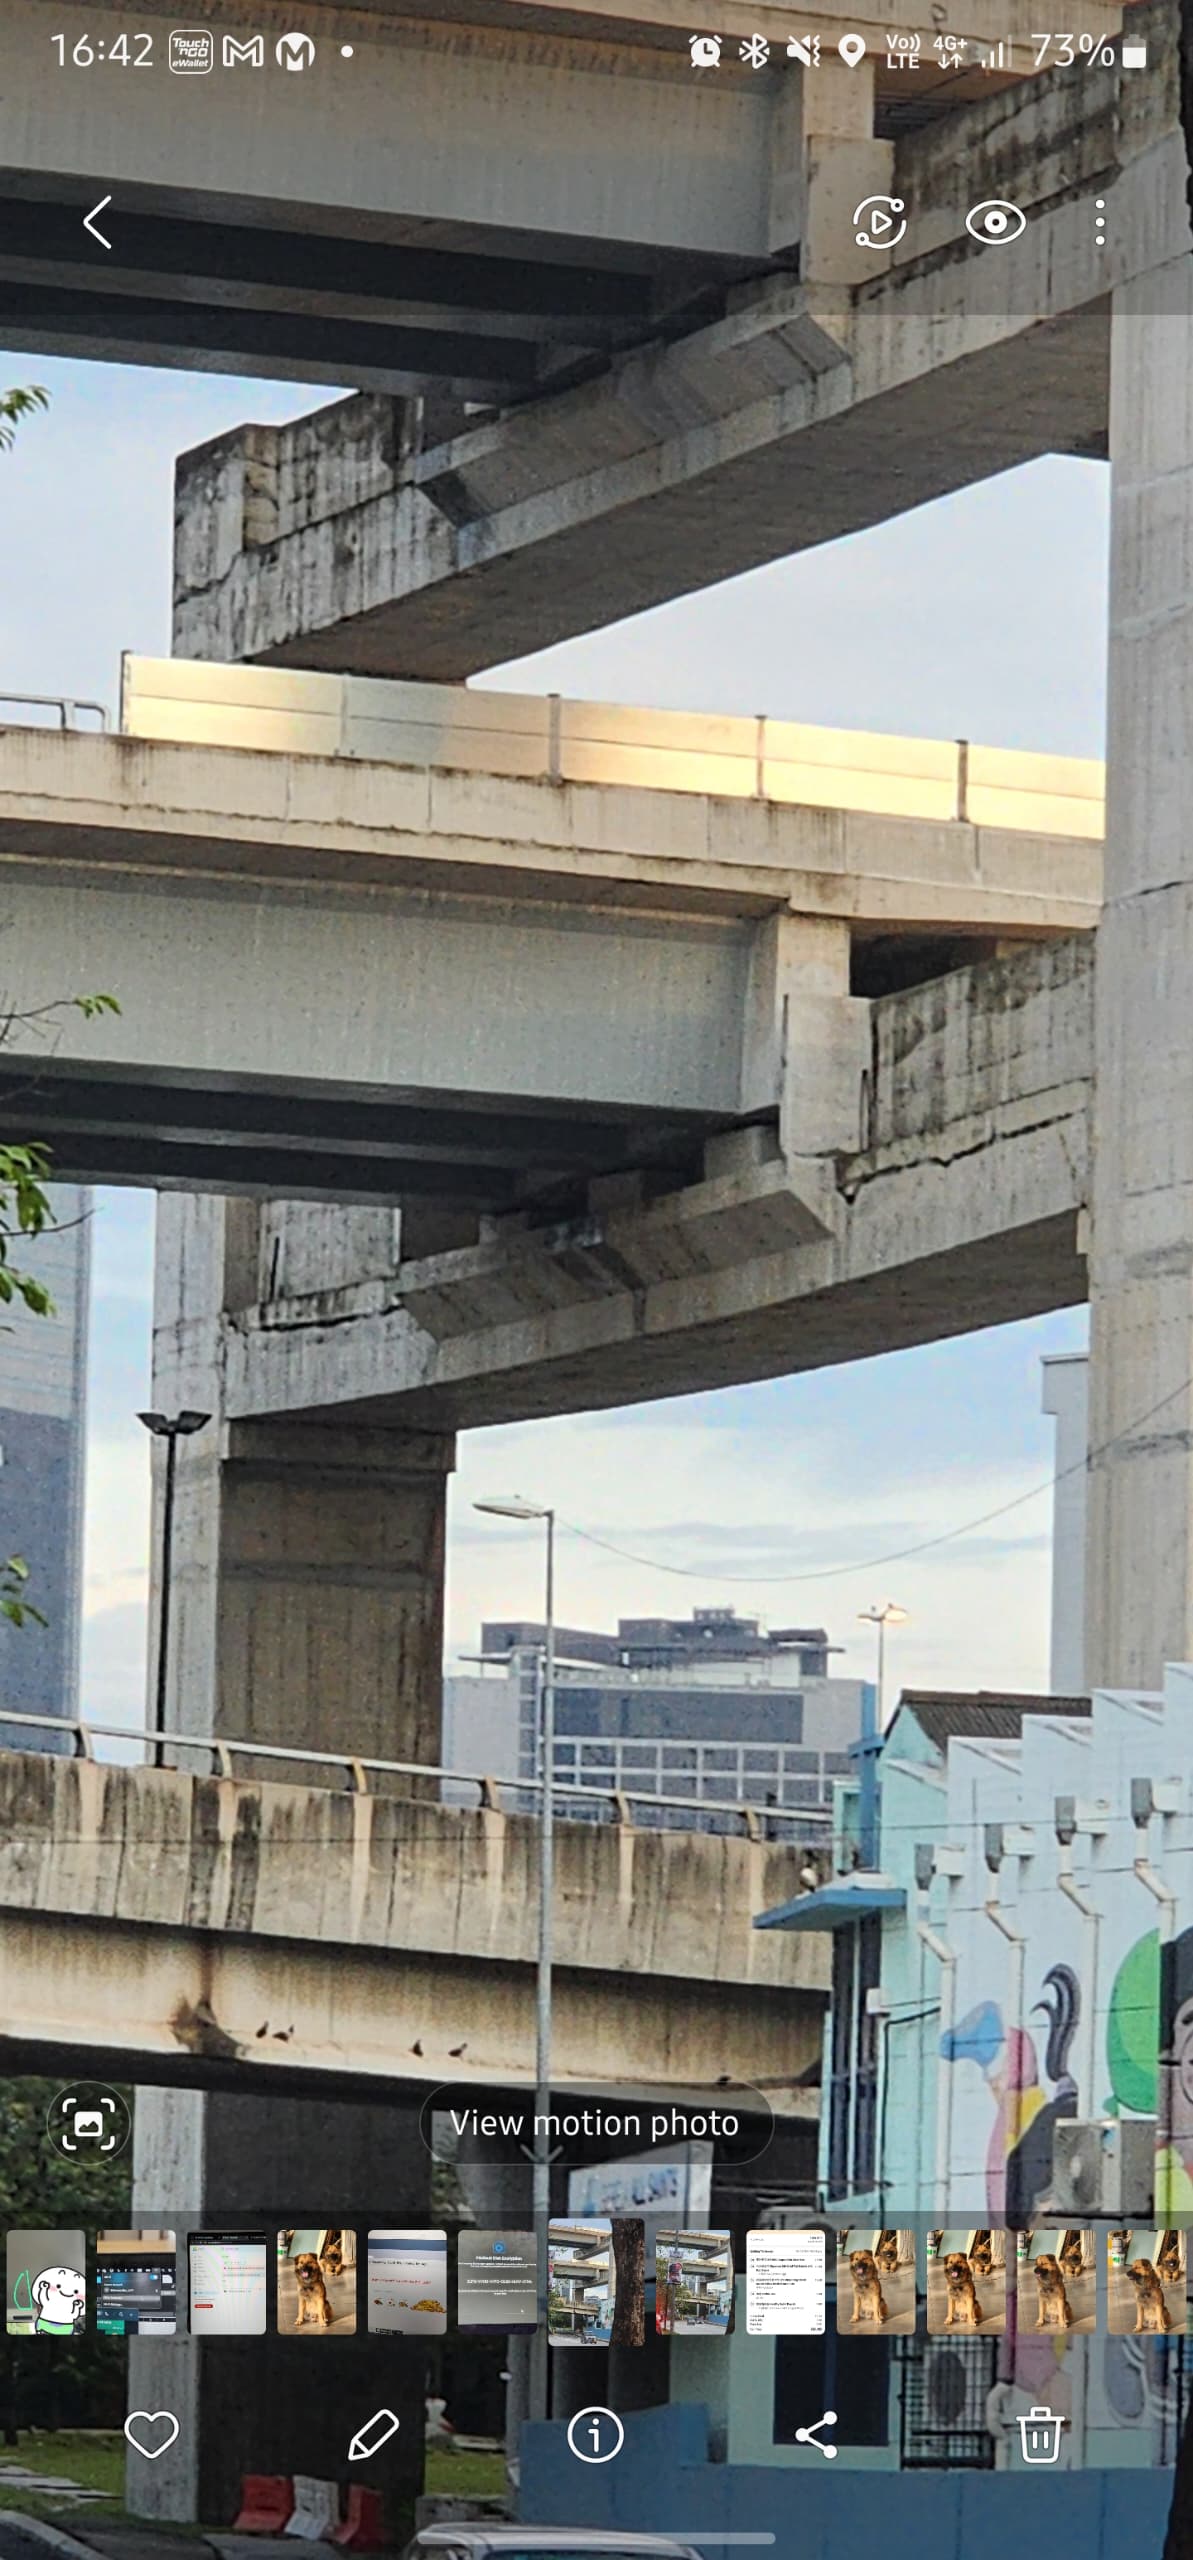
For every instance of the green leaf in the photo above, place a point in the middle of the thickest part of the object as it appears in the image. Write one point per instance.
(18, 404)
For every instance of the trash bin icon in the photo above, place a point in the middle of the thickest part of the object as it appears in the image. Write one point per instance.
(1039, 2434)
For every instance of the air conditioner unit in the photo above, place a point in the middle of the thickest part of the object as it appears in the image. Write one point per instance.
(1107, 2167)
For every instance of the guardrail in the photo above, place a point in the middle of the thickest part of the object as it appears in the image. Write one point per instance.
(67, 706)
(546, 738)
(757, 1820)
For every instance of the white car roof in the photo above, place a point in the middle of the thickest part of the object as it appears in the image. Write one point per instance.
(546, 2537)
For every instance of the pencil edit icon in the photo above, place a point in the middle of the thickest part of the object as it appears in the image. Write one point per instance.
(375, 2432)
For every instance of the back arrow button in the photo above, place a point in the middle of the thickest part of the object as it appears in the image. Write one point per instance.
(89, 222)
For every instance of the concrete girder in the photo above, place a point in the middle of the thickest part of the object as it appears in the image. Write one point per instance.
(463, 131)
(441, 229)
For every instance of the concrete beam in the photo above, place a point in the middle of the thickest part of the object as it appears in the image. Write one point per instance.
(435, 131)
(230, 1934)
(478, 207)
(963, 1206)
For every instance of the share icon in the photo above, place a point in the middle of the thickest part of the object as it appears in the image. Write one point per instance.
(811, 2435)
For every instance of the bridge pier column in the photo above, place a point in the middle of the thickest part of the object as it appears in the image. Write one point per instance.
(307, 1557)
(275, 2403)
(307, 1609)
(1139, 1554)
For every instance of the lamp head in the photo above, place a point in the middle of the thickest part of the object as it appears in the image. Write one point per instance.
(512, 1506)
(172, 1426)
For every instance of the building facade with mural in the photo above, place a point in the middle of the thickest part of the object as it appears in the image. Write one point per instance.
(1011, 2032)
(1012, 2009)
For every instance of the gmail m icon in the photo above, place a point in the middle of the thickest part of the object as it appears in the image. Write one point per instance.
(251, 51)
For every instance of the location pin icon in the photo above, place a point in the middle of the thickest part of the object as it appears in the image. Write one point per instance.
(851, 49)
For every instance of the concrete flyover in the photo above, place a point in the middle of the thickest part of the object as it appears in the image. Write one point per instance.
(965, 1207)
(467, 209)
(247, 1935)
(434, 217)
(832, 395)
(378, 876)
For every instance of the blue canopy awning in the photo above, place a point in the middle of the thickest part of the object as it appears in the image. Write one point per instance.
(833, 1906)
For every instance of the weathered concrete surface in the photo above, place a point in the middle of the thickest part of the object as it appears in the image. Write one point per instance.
(307, 1589)
(809, 409)
(256, 1934)
(962, 1206)
(370, 931)
(1139, 1580)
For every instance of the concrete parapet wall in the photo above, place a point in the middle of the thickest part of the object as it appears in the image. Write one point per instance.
(1001, 1034)
(543, 736)
(159, 1849)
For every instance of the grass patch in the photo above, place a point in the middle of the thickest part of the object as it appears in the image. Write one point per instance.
(87, 2460)
(465, 2475)
(96, 2461)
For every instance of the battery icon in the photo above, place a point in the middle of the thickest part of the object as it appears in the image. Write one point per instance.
(1134, 57)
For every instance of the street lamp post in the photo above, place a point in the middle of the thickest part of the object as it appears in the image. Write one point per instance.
(170, 1427)
(887, 1614)
(513, 1508)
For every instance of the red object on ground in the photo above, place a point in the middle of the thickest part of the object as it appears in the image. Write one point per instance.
(361, 2529)
(266, 2502)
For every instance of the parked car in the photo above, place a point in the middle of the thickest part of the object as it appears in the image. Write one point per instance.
(540, 2542)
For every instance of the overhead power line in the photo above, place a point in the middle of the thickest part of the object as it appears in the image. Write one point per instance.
(894, 1555)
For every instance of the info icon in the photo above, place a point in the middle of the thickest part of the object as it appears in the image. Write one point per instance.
(595, 2435)
(88, 2121)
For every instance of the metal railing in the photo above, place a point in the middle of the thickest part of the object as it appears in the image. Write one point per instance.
(358, 1768)
(67, 706)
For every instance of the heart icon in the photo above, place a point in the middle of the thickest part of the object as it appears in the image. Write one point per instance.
(142, 2426)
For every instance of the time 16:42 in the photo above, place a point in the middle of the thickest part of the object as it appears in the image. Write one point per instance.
(132, 53)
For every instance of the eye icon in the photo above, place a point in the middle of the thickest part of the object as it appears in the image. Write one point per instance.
(994, 222)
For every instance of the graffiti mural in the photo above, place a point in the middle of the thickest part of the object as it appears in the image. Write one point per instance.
(1030, 2092)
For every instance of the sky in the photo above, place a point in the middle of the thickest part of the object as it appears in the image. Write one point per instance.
(983, 616)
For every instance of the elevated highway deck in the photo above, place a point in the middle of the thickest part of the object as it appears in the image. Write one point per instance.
(393, 941)
(245, 1934)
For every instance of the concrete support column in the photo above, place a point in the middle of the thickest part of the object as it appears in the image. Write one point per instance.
(277, 2403)
(307, 1609)
(308, 1587)
(307, 1558)
(1139, 1577)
